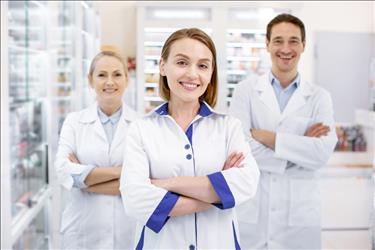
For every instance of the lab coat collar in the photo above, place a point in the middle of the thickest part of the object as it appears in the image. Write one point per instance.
(267, 96)
(90, 114)
(204, 110)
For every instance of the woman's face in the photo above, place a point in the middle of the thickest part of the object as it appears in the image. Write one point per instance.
(188, 69)
(109, 80)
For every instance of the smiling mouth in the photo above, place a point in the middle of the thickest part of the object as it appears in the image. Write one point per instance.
(109, 90)
(286, 57)
(190, 86)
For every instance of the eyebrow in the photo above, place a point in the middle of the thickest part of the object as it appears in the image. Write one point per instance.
(185, 56)
(293, 37)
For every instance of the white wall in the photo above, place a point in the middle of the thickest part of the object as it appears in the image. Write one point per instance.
(118, 25)
(332, 16)
(118, 21)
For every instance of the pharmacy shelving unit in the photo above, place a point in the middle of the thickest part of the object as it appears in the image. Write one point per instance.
(151, 35)
(74, 41)
(24, 159)
(46, 49)
(246, 55)
(238, 33)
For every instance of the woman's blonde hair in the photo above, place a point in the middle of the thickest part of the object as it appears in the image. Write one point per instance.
(103, 54)
(210, 95)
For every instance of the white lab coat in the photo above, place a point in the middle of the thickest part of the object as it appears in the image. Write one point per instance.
(89, 220)
(286, 211)
(156, 147)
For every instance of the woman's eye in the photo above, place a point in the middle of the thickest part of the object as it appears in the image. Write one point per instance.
(181, 63)
(203, 66)
(101, 75)
(118, 74)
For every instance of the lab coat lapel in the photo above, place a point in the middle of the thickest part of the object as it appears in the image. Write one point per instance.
(297, 100)
(127, 116)
(267, 94)
(90, 115)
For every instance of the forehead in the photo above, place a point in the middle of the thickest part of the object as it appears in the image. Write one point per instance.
(286, 30)
(190, 47)
(108, 63)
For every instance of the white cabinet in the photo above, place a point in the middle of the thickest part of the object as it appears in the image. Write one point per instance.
(347, 197)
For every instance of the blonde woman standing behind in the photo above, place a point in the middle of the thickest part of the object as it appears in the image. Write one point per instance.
(89, 162)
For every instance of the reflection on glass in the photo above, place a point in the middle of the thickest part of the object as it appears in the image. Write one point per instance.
(28, 60)
(35, 235)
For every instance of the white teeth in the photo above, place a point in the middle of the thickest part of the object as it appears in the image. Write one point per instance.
(189, 85)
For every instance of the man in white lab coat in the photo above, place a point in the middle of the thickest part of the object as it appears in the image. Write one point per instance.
(290, 128)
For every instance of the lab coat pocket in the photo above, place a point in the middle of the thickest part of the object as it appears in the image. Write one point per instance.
(249, 211)
(304, 209)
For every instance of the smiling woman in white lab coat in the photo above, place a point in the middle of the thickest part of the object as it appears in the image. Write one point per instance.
(90, 159)
(187, 166)
(290, 128)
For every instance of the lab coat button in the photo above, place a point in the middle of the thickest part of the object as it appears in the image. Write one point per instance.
(191, 247)
(187, 146)
(188, 156)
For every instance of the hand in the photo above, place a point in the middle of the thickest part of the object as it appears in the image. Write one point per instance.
(234, 160)
(317, 130)
(73, 158)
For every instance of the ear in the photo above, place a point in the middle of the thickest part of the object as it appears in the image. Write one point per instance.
(162, 67)
(303, 45)
(267, 44)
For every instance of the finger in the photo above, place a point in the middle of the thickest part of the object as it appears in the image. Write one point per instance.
(321, 131)
(228, 160)
(234, 159)
(239, 161)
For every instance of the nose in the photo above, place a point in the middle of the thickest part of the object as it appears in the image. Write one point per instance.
(109, 81)
(285, 48)
(192, 72)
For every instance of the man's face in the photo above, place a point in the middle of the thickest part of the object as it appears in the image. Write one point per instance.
(285, 47)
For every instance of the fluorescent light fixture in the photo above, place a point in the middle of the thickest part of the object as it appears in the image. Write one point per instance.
(176, 13)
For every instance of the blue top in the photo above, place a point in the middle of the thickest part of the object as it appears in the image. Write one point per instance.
(283, 95)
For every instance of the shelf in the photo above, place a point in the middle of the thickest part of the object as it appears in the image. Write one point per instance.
(246, 45)
(154, 44)
(243, 58)
(151, 71)
(236, 72)
(351, 158)
(151, 85)
(157, 58)
(153, 98)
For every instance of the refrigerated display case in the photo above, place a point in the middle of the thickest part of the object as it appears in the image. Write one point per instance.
(44, 63)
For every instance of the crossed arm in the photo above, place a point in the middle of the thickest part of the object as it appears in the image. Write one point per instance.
(197, 192)
(268, 138)
(101, 180)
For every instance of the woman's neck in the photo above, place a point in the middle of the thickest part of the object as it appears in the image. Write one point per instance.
(183, 112)
(109, 108)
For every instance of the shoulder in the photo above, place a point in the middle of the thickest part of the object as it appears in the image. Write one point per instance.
(317, 92)
(129, 113)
